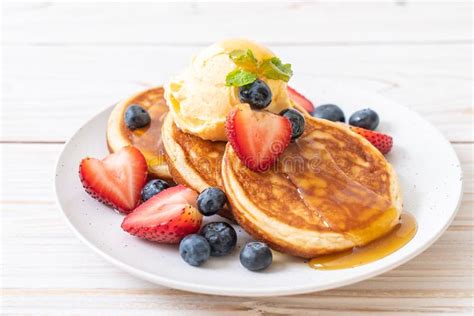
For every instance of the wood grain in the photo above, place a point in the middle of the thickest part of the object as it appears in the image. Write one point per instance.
(302, 23)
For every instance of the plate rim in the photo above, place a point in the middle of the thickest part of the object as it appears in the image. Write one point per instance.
(262, 292)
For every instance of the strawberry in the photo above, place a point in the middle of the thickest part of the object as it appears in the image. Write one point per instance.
(258, 138)
(380, 141)
(299, 99)
(117, 179)
(167, 217)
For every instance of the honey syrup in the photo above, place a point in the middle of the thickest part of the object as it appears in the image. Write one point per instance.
(400, 235)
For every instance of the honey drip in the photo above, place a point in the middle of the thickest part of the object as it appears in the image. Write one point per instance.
(149, 138)
(400, 235)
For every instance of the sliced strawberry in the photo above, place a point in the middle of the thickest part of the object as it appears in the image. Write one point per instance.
(380, 141)
(258, 138)
(299, 99)
(167, 217)
(117, 179)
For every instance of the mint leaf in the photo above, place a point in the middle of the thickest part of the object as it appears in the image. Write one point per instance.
(244, 58)
(239, 78)
(273, 68)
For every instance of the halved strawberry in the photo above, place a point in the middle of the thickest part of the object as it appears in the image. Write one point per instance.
(167, 217)
(117, 179)
(258, 138)
(299, 99)
(380, 141)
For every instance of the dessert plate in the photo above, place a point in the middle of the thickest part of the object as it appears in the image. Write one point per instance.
(430, 178)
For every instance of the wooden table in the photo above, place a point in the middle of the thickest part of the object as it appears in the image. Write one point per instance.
(62, 63)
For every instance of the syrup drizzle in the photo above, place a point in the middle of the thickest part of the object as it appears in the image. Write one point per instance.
(400, 235)
(149, 138)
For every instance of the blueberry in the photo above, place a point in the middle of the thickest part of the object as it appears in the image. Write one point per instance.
(194, 249)
(256, 256)
(136, 117)
(367, 118)
(257, 94)
(153, 187)
(297, 122)
(221, 237)
(329, 112)
(211, 201)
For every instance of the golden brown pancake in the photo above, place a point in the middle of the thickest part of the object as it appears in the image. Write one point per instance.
(147, 139)
(193, 161)
(330, 190)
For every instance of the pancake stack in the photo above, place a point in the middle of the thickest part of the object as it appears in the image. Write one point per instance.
(330, 190)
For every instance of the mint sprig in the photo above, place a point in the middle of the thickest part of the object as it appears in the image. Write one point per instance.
(273, 68)
(244, 58)
(239, 78)
(250, 68)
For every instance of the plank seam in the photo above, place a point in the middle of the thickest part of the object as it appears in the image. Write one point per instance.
(275, 44)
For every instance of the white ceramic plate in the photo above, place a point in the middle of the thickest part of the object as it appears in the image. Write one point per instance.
(429, 172)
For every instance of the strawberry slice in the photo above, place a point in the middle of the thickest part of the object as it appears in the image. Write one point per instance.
(299, 99)
(117, 179)
(380, 141)
(167, 217)
(258, 138)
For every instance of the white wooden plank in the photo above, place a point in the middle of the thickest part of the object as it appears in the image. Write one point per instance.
(284, 22)
(50, 91)
(165, 302)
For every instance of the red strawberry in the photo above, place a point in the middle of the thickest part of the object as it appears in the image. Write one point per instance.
(381, 141)
(167, 217)
(117, 179)
(299, 99)
(258, 138)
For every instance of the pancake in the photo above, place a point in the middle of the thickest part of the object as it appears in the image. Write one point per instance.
(147, 139)
(330, 190)
(193, 161)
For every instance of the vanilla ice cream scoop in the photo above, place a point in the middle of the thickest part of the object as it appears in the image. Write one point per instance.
(199, 99)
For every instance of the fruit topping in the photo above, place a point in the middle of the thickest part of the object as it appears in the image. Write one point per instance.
(297, 122)
(194, 249)
(117, 179)
(257, 94)
(221, 237)
(136, 117)
(301, 100)
(329, 112)
(366, 118)
(256, 256)
(153, 187)
(380, 141)
(167, 217)
(258, 138)
(210, 201)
